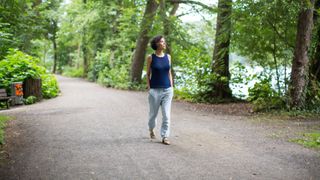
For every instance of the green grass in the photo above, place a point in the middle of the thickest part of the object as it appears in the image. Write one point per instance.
(3, 120)
(310, 140)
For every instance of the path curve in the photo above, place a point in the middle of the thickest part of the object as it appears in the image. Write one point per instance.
(92, 132)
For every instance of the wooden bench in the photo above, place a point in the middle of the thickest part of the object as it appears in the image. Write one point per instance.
(4, 97)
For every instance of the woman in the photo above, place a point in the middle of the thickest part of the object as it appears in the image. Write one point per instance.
(159, 81)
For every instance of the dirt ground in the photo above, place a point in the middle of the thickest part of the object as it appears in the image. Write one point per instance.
(91, 132)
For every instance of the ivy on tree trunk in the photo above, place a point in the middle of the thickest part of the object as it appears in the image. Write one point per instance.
(220, 61)
(300, 67)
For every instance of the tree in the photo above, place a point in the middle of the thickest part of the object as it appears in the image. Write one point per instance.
(19, 24)
(220, 60)
(300, 67)
(167, 25)
(51, 17)
(315, 61)
(84, 47)
(142, 41)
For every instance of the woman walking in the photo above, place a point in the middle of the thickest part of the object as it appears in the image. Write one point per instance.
(159, 82)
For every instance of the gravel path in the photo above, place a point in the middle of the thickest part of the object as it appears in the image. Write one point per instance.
(91, 132)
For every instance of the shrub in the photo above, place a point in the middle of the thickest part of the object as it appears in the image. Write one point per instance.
(264, 97)
(18, 66)
(72, 72)
(50, 86)
(116, 77)
(30, 100)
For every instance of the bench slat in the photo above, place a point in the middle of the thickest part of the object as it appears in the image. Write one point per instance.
(4, 98)
(2, 91)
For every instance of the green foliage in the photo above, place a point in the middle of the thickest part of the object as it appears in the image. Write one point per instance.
(264, 97)
(265, 29)
(18, 66)
(30, 100)
(313, 96)
(72, 71)
(240, 78)
(117, 77)
(311, 140)
(184, 94)
(19, 24)
(3, 120)
(50, 86)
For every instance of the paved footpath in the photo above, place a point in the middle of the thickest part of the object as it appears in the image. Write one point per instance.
(92, 132)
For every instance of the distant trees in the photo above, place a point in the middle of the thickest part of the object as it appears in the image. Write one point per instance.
(107, 41)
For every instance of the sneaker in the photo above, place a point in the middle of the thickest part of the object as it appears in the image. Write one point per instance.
(152, 135)
(165, 141)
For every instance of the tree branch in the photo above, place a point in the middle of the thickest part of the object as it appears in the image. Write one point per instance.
(212, 9)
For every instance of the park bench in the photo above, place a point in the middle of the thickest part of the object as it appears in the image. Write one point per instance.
(4, 97)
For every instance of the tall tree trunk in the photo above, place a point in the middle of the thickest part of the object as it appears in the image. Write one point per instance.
(315, 62)
(84, 48)
(300, 68)
(54, 42)
(220, 60)
(142, 41)
(167, 28)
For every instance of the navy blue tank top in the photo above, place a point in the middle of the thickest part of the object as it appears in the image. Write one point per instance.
(160, 67)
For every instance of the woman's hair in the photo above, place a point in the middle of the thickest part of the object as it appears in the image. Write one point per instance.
(154, 42)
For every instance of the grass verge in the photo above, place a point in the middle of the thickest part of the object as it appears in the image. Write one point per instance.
(3, 120)
(310, 140)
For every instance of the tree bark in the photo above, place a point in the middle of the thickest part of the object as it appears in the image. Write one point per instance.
(142, 41)
(300, 68)
(315, 62)
(220, 60)
(166, 22)
(167, 29)
(32, 87)
(84, 49)
(55, 51)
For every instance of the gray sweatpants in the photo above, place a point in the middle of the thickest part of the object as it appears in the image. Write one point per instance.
(160, 97)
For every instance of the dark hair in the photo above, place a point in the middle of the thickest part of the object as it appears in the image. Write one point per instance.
(154, 42)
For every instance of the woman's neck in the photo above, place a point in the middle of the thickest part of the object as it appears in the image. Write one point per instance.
(159, 53)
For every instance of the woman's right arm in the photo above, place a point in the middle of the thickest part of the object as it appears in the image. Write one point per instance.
(149, 60)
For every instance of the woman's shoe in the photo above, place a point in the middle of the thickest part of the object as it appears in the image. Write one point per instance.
(165, 141)
(152, 135)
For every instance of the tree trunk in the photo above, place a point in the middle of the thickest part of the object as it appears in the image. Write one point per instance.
(54, 47)
(142, 41)
(167, 28)
(84, 49)
(32, 87)
(300, 68)
(220, 60)
(315, 62)
(166, 22)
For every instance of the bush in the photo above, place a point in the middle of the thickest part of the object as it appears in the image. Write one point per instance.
(116, 77)
(264, 97)
(72, 72)
(18, 66)
(50, 86)
(30, 100)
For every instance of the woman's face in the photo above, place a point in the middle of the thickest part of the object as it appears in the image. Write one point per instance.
(162, 44)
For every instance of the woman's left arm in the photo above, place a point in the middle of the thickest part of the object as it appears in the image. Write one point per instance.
(170, 73)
